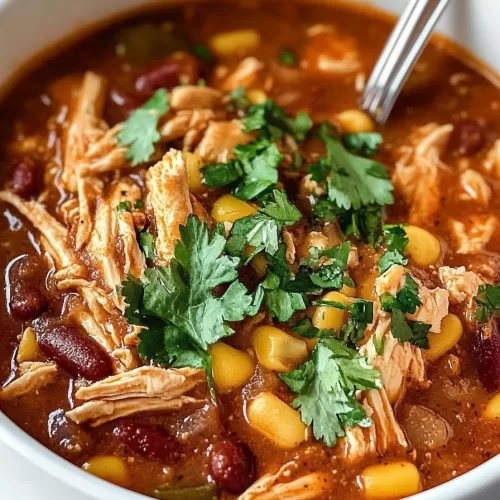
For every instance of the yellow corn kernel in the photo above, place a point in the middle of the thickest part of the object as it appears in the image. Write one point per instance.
(231, 367)
(348, 291)
(366, 288)
(259, 263)
(234, 42)
(492, 410)
(276, 420)
(353, 121)
(28, 347)
(423, 247)
(193, 166)
(390, 480)
(256, 96)
(440, 343)
(311, 343)
(278, 351)
(325, 317)
(228, 208)
(109, 468)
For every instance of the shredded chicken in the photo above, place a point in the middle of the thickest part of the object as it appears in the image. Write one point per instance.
(461, 284)
(417, 173)
(244, 75)
(475, 187)
(473, 237)
(194, 97)
(285, 485)
(89, 190)
(33, 376)
(169, 201)
(219, 141)
(290, 246)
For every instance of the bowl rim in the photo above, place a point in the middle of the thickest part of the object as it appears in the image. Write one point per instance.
(466, 486)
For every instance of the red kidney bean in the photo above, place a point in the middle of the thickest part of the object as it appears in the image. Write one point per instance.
(126, 100)
(25, 177)
(149, 441)
(179, 68)
(28, 302)
(468, 137)
(486, 350)
(78, 354)
(232, 466)
(28, 268)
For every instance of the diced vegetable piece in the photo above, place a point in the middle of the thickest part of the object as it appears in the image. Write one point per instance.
(193, 166)
(234, 42)
(276, 420)
(28, 347)
(231, 367)
(278, 351)
(326, 317)
(228, 208)
(423, 247)
(492, 410)
(348, 291)
(390, 480)
(441, 343)
(109, 468)
(205, 492)
(366, 288)
(259, 263)
(354, 121)
(256, 96)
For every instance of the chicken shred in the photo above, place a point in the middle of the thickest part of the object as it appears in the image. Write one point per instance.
(195, 97)
(461, 284)
(244, 75)
(473, 237)
(33, 376)
(474, 187)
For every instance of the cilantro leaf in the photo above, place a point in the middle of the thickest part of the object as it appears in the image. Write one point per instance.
(395, 243)
(203, 53)
(364, 143)
(239, 99)
(326, 387)
(279, 208)
(146, 242)
(140, 130)
(406, 300)
(288, 58)
(488, 300)
(306, 329)
(124, 206)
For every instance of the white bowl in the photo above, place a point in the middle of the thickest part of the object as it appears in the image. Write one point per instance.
(27, 27)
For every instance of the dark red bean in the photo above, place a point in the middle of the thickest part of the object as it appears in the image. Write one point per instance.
(149, 441)
(25, 177)
(468, 137)
(77, 353)
(180, 68)
(126, 100)
(486, 349)
(28, 268)
(28, 302)
(232, 466)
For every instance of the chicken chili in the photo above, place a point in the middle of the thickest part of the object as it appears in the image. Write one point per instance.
(222, 280)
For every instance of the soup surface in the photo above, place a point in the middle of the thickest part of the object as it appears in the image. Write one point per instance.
(222, 280)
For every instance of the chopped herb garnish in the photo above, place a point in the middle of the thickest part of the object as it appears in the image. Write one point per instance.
(288, 58)
(406, 300)
(140, 130)
(239, 100)
(146, 242)
(139, 204)
(395, 243)
(379, 344)
(124, 206)
(363, 143)
(488, 300)
(203, 53)
(327, 386)
(202, 82)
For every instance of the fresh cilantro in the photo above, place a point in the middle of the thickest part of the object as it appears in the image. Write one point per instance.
(201, 82)
(306, 329)
(146, 242)
(139, 204)
(395, 243)
(279, 208)
(271, 121)
(140, 130)
(351, 181)
(297, 160)
(239, 100)
(203, 53)
(379, 344)
(488, 300)
(326, 387)
(253, 170)
(124, 206)
(363, 143)
(288, 58)
(406, 300)
(414, 332)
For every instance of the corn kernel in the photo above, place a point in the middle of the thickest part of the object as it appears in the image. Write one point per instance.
(331, 317)
(366, 288)
(231, 367)
(390, 480)
(492, 410)
(28, 347)
(109, 468)
(256, 96)
(423, 247)
(193, 166)
(278, 351)
(276, 420)
(348, 291)
(228, 208)
(440, 343)
(234, 42)
(311, 343)
(259, 263)
(353, 121)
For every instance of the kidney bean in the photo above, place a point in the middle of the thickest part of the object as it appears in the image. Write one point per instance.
(25, 177)
(179, 68)
(126, 100)
(28, 268)
(70, 439)
(486, 349)
(28, 302)
(468, 137)
(149, 441)
(78, 354)
(232, 466)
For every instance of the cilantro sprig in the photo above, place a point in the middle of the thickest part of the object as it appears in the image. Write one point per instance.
(326, 386)
(395, 243)
(140, 130)
(488, 301)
